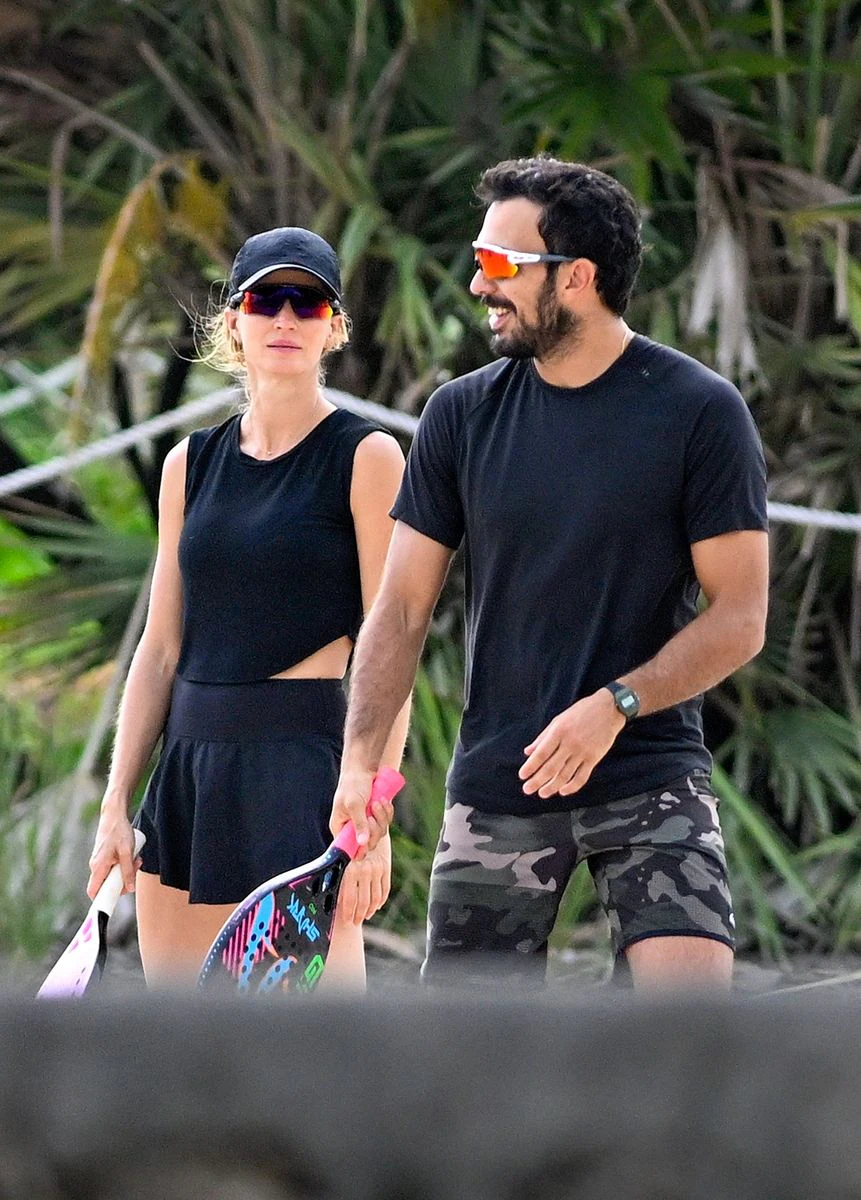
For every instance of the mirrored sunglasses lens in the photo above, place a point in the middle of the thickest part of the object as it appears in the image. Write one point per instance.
(495, 265)
(307, 303)
(267, 302)
(259, 304)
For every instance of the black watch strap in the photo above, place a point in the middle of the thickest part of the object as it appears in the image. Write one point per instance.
(625, 698)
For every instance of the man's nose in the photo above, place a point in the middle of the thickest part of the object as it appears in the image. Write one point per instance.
(479, 285)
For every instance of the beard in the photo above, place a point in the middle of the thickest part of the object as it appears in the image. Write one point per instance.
(554, 327)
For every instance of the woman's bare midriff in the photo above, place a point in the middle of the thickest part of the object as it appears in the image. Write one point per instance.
(329, 662)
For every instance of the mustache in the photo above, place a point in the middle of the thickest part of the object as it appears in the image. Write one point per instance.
(497, 302)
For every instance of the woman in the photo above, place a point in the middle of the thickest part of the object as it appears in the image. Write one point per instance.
(273, 531)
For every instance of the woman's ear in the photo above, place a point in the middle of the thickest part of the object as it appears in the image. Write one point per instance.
(339, 334)
(232, 328)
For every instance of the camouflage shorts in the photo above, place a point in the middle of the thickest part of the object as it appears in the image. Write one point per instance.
(657, 860)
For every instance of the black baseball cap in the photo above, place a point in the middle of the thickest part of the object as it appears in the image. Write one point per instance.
(277, 249)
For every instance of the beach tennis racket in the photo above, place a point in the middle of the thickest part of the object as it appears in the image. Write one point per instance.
(277, 938)
(82, 962)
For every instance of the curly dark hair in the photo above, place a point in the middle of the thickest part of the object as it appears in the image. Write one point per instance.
(586, 214)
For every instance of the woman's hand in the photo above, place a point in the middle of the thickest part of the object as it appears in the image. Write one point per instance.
(366, 883)
(115, 843)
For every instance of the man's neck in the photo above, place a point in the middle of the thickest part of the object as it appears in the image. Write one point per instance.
(597, 347)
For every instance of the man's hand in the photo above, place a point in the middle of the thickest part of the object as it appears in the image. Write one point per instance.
(350, 804)
(565, 753)
(365, 886)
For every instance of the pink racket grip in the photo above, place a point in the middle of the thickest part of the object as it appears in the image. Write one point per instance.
(387, 783)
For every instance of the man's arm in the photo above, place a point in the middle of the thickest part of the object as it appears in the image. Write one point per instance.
(384, 667)
(732, 570)
(377, 472)
(378, 467)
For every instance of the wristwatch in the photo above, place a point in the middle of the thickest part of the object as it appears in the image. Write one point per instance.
(626, 700)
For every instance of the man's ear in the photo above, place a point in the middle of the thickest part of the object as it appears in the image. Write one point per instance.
(578, 276)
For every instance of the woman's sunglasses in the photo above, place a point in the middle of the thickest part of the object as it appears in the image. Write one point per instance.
(495, 262)
(267, 300)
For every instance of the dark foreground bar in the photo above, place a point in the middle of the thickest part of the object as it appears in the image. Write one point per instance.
(412, 1098)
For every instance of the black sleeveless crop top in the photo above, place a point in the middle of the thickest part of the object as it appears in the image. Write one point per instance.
(267, 554)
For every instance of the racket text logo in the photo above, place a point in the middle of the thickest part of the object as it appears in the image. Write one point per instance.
(304, 923)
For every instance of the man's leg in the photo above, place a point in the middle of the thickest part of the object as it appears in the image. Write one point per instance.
(495, 890)
(686, 963)
(659, 866)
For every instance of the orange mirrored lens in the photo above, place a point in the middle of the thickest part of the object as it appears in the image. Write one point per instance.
(494, 265)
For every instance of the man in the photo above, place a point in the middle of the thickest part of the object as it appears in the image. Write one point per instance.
(599, 482)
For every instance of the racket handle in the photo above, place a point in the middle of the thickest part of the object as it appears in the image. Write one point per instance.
(386, 785)
(111, 890)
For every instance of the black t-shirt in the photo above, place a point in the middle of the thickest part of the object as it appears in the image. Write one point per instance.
(577, 508)
(268, 555)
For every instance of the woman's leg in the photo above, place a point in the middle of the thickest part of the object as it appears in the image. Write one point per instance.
(174, 935)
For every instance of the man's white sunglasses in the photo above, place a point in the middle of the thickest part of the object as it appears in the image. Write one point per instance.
(495, 262)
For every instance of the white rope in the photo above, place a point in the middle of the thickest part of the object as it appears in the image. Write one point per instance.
(389, 418)
(33, 386)
(796, 514)
(27, 477)
(186, 414)
(205, 406)
(50, 386)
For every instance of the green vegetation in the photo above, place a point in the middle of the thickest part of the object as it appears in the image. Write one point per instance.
(143, 141)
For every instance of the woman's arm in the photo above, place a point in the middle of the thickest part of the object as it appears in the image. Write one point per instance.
(146, 696)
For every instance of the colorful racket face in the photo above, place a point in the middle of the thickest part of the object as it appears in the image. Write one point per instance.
(278, 938)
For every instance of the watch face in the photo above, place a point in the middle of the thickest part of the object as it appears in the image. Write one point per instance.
(626, 700)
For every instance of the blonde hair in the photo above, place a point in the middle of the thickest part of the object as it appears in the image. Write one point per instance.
(218, 347)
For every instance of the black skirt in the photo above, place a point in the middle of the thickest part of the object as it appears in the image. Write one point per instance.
(243, 788)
